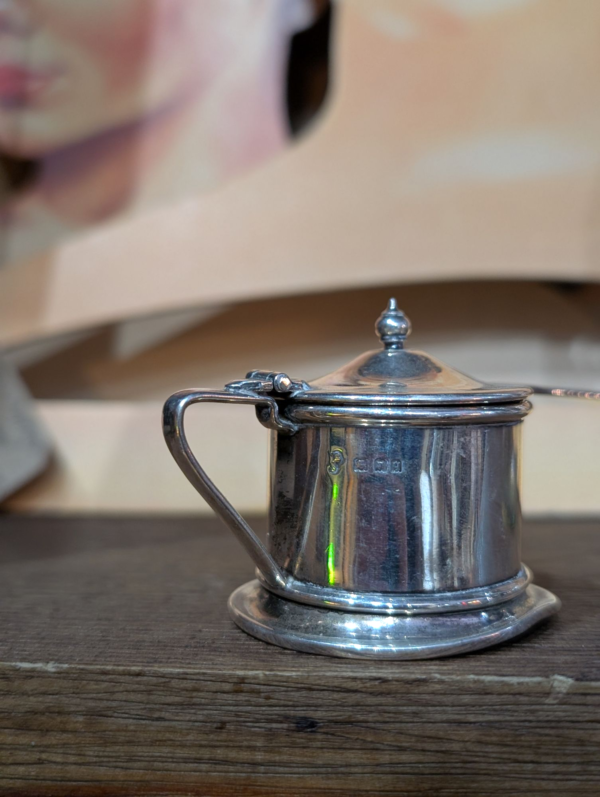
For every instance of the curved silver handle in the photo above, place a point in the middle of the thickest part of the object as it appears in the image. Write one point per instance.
(173, 413)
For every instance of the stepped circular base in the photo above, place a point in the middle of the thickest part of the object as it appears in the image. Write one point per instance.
(332, 632)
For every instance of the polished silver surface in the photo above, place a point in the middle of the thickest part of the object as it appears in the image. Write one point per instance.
(402, 603)
(361, 415)
(174, 432)
(394, 375)
(352, 635)
(397, 509)
(392, 326)
(394, 519)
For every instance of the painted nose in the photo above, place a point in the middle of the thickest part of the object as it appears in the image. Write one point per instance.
(15, 18)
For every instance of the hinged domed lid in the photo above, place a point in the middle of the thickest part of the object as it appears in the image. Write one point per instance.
(394, 375)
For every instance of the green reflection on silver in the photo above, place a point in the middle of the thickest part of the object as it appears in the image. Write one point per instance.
(331, 564)
(337, 460)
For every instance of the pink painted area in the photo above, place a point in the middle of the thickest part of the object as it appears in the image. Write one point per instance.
(129, 104)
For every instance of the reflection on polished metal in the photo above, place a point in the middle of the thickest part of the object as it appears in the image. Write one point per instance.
(403, 603)
(395, 376)
(397, 509)
(395, 520)
(407, 416)
(355, 635)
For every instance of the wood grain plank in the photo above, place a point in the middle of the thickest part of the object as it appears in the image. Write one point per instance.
(121, 673)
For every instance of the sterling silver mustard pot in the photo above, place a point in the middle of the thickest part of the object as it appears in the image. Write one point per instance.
(394, 520)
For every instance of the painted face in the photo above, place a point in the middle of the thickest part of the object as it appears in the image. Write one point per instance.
(73, 68)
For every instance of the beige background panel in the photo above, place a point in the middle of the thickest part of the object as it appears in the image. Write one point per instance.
(99, 467)
(480, 158)
(498, 331)
(110, 449)
(111, 457)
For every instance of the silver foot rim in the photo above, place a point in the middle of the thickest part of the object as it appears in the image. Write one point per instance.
(378, 636)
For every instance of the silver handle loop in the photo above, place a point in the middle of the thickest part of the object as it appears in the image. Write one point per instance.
(173, 430)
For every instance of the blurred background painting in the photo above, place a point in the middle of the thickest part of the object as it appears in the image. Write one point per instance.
(112, 106)
(188, 187)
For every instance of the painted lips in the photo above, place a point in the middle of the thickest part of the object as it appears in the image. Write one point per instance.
(19, 85)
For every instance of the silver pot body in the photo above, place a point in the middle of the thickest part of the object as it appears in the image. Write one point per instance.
(394, 513)
(397, 508)
(394, 532)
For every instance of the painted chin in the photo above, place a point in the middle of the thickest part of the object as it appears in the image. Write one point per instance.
(35, 131)
(34, 111)
(26, 131)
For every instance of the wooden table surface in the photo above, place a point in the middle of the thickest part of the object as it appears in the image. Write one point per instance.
(121, 673)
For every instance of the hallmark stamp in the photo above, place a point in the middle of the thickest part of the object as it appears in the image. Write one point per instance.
(337, 458)
(376, 465)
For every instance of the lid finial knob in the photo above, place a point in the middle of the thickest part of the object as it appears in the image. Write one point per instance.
(393, 326)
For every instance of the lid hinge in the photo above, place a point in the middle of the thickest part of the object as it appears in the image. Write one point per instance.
(270, 382)
(271, 385)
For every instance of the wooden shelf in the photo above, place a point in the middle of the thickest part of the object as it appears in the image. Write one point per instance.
(122, 674)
